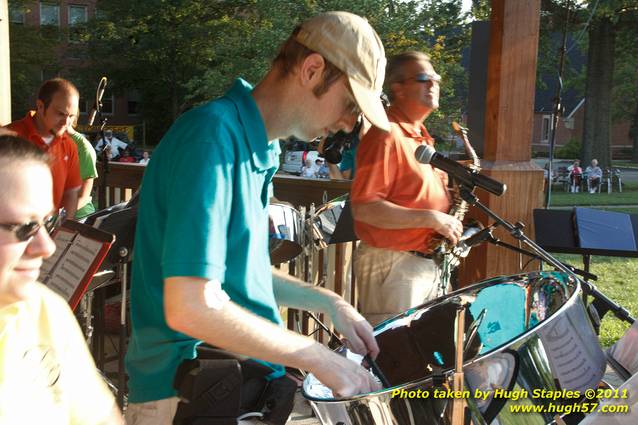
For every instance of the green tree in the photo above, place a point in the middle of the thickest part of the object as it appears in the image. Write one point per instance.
(605, 30)
(609, 21)
(180, 53)
(625, 94)
(30, 48)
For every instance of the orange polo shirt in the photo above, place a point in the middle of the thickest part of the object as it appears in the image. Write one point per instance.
(387, 169)
(64, 163)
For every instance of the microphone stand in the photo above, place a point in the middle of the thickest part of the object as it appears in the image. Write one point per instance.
(495, 241)
(517, 233)
(105, 159)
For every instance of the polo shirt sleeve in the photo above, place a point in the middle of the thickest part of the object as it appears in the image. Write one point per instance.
(86, 157)
(73, 179)
(376, 167)
(199, 203)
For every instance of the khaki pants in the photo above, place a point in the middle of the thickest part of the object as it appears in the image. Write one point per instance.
(390, 282)
(161, 412)
(158, 412)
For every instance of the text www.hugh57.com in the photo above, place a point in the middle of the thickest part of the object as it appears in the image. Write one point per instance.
(569, 408)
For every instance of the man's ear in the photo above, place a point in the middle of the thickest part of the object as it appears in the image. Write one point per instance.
(311, 69)
(39, 106)
(397, 90)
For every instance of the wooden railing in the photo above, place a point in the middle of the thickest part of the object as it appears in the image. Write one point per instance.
(330, 267)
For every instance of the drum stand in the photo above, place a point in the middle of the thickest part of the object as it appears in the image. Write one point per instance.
(517, 232)
(96, 336)
(458, 404)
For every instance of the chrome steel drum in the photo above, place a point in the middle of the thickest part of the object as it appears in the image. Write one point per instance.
(332, 223)
(285, 232)
(531, 332)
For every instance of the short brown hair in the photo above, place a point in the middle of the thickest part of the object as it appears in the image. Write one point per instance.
(395, 69)
(49, 88)
(293, 53)
(13, 149)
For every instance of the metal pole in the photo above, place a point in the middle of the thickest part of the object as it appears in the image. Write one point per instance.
(557, 107)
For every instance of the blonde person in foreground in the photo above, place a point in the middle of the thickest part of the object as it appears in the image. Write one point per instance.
(47, 375)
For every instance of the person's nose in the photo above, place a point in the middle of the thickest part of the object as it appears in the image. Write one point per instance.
(41, 245)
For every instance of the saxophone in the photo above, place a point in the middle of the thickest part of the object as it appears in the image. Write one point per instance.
(439, 246)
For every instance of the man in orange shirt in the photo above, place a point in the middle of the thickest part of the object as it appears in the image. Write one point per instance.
(56, 107)
(399, 204)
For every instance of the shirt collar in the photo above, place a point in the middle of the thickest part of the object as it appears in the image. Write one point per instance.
(418, 133)
(265, 154)
(33, 134)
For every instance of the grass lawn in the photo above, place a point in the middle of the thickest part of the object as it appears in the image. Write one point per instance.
(618, 280)
(629, 196)
(617, 277)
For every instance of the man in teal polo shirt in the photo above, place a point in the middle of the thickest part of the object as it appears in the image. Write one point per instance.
(201, 269)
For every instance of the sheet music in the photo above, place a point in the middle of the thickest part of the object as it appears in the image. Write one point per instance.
(574, 364)
(70, 271)
(62, 241)
(625, 350)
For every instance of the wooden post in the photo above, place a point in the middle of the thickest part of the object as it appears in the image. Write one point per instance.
(509, 115)
(5, 70)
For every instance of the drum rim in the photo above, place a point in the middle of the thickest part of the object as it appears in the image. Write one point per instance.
(566, 305)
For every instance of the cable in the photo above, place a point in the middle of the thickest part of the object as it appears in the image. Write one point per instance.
(582, 32)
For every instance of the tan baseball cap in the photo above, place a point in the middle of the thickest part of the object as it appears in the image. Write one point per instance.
(351, 44)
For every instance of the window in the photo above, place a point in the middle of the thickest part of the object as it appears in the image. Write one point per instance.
(108, 105)
(77, 17)
(546, 128)
(49, 14)
(16, 14)
(83, 106)
(133, 103)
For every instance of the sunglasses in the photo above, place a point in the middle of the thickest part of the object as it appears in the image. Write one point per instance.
(424, 78)
(24, 232)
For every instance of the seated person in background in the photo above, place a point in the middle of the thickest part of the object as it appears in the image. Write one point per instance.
(108, 151)
(145, 158)
(594, 175)
(322, 169)
(575, 176)
(308, 170)
(47, 375)
(126, 156)
(88, 171)
(116, 144)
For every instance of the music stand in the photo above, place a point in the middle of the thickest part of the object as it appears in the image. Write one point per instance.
(80, 249)
(576, 232)
(121, 221)
(587, 232)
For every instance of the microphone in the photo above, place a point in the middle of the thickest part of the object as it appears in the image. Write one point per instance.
(462, 249)
(477, 238)
(97, 105)
(426, 154)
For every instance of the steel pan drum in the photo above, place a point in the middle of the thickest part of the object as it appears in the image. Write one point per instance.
(531, 332)
(285, 232)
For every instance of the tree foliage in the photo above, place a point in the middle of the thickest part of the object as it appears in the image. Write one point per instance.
(179, 53)
(30, 47)
(607, 31)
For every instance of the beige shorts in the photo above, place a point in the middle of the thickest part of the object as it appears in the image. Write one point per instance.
(162, 412)
(390, 282)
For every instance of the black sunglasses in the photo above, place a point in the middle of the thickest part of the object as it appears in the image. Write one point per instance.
(424, 78)
(24, 232)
